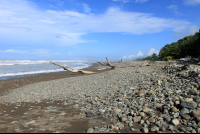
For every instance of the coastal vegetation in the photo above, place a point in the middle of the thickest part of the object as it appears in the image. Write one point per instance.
(187, 47)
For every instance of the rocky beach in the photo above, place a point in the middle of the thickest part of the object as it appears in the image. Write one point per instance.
(157, 98)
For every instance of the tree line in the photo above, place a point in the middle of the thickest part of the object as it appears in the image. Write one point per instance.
(189, 46)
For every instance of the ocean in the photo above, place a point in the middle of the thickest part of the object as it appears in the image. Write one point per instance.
(22, 68)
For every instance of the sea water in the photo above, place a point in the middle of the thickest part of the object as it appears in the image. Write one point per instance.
(21, 68)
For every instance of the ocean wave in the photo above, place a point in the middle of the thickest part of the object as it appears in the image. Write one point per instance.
(31, 72)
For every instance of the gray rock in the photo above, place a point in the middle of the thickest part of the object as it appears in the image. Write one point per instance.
(168, 119)
(182, 129)
(175, 122)
(90, 130)
(189, 129)
(186, 116)
(189, 104)
(184, 111)
(198, 118)
(122, 119)
(194, 131)
(145, 130)
(102, 129)
(136, 119)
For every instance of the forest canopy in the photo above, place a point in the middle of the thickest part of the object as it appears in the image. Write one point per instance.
(188, 46)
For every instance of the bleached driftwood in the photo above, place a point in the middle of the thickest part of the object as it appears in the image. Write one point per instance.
(114, 67)
(146, 63)
(73, 70)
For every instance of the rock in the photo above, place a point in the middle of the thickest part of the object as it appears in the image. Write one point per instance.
(130, 124)
(175, 122)
(144, 118)
(142, 114)
(193, 91)
(174, 109)
(90, 130)
(189, 104)
(153, 128)
(146, 109)
(182, 129)
(132, 129)
(178, 91)
(165, 111)
(145, 130)
(198, 118)
(118, 110)
(186, 116)
(102, 129)
(141, 122)
(152, 120)
(89, 114)
(136, 119)
(30, 122)
(184, 111)
(196, 113)
(199, 124)
(122, 119)
(168, 119)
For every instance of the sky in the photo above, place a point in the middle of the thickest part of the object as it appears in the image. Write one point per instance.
(93, 29)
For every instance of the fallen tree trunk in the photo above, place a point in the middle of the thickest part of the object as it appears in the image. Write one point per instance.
(73, 70)
(114, 67)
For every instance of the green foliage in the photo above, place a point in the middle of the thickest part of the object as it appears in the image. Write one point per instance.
(189, 45)
(187, 56)
(165, 59)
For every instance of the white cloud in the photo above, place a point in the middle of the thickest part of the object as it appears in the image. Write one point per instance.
(186, 32)
(13, 51)
(191, 2)
(141, 1)
(151, 51)
(174, 9)
(22, 18)
(86, 8)
(140, 54)
(124, 1)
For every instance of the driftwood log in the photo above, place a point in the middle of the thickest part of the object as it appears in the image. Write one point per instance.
(73, 70)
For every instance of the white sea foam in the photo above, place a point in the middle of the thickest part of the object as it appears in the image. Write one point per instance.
(25, 62)
(31, 72)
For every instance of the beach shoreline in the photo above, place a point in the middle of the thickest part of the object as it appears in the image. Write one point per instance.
(17, 82)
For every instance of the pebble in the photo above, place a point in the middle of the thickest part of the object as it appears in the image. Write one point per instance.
(129, 96)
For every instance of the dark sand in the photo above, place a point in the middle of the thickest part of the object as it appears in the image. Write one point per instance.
(73, 121)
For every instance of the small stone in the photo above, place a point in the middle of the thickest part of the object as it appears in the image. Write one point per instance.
(136, 119)
(153, 129)
(175, 122)
(90, 130)
(184, 111)
(186, 116)
(30, 122)
(174, 109)
(163, 129)
(189, 104)
(152, 120)
(182, 129)
(145, 130)
(132, 129)
(198, 118)
(199, 124)
(144, 118)
(141, 121)
(196, 113)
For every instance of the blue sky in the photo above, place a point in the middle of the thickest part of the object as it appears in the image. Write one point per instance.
(93, 29)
